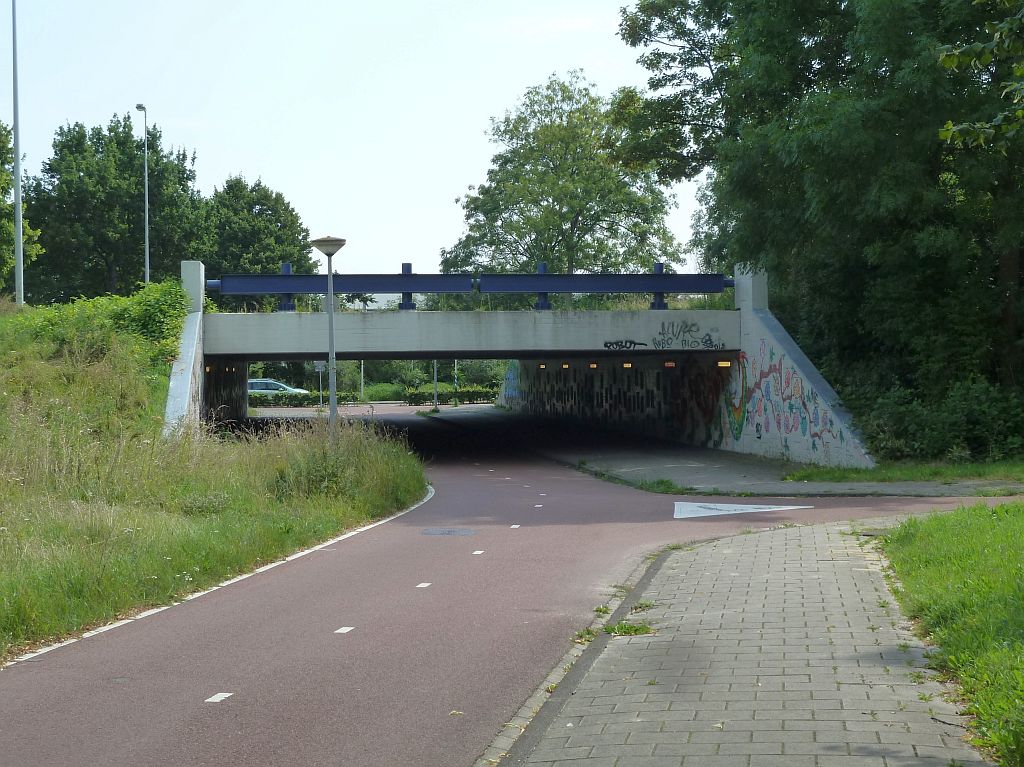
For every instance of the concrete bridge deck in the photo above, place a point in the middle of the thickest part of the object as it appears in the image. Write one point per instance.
(486, 335)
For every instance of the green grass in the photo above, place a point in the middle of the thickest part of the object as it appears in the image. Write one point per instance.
(962, 577)
(906, 471)
(99, 516)
(626, 628)
(663, 486)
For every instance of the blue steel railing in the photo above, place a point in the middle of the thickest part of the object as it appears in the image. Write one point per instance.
(287, 284)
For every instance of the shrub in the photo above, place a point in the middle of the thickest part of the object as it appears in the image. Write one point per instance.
(384, 392)
(974, 420)
(447, 394)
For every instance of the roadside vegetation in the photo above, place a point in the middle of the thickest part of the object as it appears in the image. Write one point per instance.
(447, 394)
(961, 575)
(1007, 470)
(99, 516)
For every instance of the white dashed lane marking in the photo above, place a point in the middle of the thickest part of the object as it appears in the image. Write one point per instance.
(344, 629)
(422, 585)
(514, 527)
(478, 552)
(218, 697)
(538, 505)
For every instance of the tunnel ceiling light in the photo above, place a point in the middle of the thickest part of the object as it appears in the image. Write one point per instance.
(542, 366)
(627, 365)
(565, 366)
(593, 366)
(670, 364)
(725, 363)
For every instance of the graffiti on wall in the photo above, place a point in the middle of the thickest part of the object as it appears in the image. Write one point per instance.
(623, 345)
(682, 334)
(768, 398)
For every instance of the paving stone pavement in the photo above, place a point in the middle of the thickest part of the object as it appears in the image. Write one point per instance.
(780, 648)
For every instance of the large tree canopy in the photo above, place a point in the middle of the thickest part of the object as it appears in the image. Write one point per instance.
(88, 202)
(555, 194)
(894, 258)
(255, 229)
(89, 205)
(999, 60)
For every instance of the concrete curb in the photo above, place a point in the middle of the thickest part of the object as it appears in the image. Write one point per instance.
(520, 737)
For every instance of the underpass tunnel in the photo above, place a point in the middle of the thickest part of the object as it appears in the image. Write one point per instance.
(675, 396)
(225, 389)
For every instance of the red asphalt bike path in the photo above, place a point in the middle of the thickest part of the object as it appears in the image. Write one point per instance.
(426, 676)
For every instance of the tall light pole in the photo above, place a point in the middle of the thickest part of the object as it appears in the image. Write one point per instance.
(329, 246)
(19, 243)
(145, 176)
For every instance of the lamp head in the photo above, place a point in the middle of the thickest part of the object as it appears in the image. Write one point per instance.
(328, 245)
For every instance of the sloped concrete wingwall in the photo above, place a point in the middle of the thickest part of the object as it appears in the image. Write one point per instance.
(771, 401)
(183, 409)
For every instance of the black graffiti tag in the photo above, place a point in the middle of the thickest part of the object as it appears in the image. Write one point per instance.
(624, 345)
(676, 333)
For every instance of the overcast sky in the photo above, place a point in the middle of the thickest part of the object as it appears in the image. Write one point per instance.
(370, 118)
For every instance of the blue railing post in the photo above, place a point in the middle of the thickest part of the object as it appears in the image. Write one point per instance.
(542, 298)
(659, 296)
(407, 297)
(287, 302)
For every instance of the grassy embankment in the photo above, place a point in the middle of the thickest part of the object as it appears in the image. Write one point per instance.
(961, 575)
(1010, 470)
(99, 516)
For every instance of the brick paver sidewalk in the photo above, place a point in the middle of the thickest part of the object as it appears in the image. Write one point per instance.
(776, 648)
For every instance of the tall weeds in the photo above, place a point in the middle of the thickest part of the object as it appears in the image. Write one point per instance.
(99, 516)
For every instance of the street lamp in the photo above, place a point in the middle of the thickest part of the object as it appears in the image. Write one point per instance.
(19, 243)
(329, 246)
(145, 175)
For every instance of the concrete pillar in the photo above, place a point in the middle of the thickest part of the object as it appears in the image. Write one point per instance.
(193, 279)
(751, 289)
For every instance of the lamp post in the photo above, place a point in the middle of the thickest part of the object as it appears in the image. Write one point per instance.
(145, 176)
(19, 244)
(329, 246)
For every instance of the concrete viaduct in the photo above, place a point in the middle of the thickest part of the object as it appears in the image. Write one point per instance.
(732, 380)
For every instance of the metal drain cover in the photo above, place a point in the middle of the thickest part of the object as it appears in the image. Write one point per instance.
(447, 531)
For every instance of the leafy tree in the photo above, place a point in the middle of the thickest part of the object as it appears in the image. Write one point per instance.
(254, 230)
(30, 246)
(88, 202)
(675, 129)
(363, 299)
(1000, 61)
(895, 259)
(555, 193)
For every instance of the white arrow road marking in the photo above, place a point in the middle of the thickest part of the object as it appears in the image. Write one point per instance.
(218, 697)
(686, 510)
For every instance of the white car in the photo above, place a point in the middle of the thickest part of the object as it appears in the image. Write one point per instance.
(270, 386)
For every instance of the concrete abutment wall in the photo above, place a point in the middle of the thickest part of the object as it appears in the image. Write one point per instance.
(771, 401)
